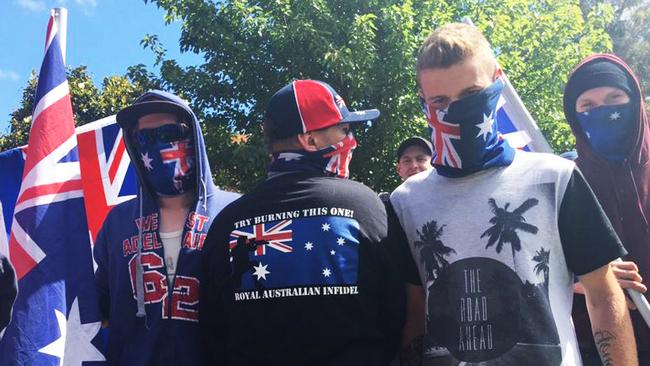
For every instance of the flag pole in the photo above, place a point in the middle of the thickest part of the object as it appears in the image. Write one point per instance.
(61, 22)
(521, 118)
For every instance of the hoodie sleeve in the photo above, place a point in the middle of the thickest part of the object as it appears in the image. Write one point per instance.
(8, 290)
(100, 253)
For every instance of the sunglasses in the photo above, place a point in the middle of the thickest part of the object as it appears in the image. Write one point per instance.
(165, 133)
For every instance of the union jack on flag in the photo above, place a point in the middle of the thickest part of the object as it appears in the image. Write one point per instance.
(276, 235)
(107, 175)
(442, 134)
(180, 155)
(55, 315)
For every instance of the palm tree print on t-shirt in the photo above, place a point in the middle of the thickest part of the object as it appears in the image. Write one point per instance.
(505, 225)
(432, 249)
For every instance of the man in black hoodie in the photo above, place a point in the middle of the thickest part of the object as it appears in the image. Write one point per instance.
(298, 270)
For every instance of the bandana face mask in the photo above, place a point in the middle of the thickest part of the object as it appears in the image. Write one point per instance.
(168, 158)
(465, 136)
(333, 160)
(609, 130)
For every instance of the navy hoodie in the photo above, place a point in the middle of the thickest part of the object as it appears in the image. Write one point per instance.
(166, 332)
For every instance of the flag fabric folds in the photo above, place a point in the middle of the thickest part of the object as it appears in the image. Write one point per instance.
(56, 317)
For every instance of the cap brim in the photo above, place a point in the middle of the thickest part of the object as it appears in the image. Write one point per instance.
(129, 116)
(361, 116)
(414, 141)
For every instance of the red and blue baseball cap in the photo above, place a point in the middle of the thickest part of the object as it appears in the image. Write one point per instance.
(308, 105)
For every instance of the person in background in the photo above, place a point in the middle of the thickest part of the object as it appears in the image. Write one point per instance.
(413, 156)
(604, 106)
(149, 249)
(497, 234)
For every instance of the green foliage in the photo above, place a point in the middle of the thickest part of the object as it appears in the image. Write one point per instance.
(630, 31)
(366, 50)
(89, 102)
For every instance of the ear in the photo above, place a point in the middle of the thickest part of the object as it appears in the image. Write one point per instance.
(497, 73)
(306, 141)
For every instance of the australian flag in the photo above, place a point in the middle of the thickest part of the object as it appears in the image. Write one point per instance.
(312, 251)
(56, 318)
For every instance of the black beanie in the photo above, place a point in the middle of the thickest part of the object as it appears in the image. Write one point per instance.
(595, 74)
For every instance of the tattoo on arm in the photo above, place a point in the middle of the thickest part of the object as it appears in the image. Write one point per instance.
(411, 355)
(604, 341)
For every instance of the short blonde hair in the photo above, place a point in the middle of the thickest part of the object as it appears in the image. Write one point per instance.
(451, 44)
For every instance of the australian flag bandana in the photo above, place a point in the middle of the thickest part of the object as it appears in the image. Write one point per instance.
(465, 136)
(169, 166)
(333, 160)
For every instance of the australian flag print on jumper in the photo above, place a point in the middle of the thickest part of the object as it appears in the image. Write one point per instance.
(314, 251)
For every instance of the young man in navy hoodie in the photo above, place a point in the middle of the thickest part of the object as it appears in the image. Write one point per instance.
(298, 270)
(149, 249)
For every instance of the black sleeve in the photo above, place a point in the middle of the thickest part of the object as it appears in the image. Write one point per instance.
(213, 310)
(8, 290)
(588, 238)
(403, 254)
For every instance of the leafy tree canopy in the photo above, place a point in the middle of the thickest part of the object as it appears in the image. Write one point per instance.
(89, 102)
(366, 50)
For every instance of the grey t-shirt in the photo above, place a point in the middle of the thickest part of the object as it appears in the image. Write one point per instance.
(497, 252)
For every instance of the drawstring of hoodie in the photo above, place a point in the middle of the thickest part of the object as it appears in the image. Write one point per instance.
(205, 196)
(139, 280)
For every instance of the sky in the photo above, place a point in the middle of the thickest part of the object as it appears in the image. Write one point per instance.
(103, 35)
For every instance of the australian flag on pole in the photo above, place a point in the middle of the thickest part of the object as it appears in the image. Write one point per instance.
(312, 251)
(56, 318)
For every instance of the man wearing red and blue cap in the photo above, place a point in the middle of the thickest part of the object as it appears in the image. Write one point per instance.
(298, 271)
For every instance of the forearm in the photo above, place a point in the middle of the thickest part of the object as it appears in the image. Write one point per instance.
(611, 326)
(413, 332)
(411, 352)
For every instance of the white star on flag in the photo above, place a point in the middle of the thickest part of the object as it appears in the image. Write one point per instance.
(260, 271)
(147, 161)
(332, 252)
(309, 245)
(340, 241)
(486, 127)
(326, 227)
(57, 348)
(614, 116)
(327, 272)
(74, 345)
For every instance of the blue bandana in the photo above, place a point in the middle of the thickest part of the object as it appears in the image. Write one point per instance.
(332, 160)
(609, 130)
(465, 136)
(169, 166)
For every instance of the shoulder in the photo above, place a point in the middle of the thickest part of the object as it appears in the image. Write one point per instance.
(415, 184)
(352, 191)
(123, 212)
(219, 199)
(543, 161)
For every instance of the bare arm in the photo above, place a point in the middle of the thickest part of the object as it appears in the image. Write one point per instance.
(610, 319)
